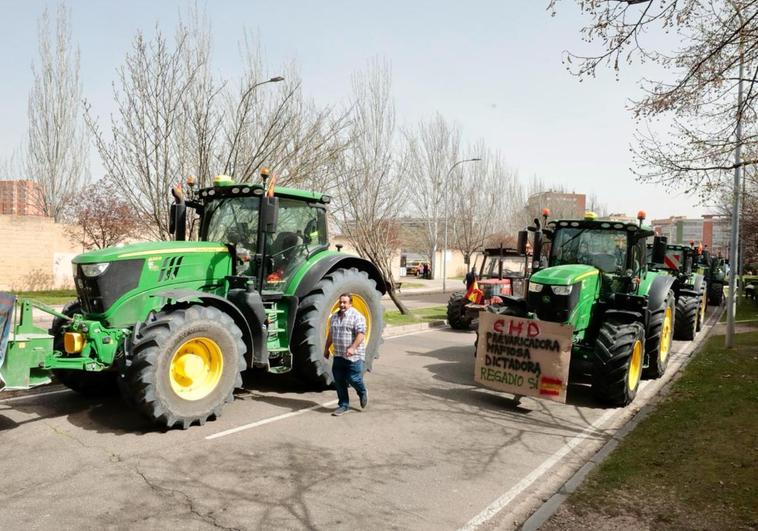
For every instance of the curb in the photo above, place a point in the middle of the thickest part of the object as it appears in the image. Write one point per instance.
(399, 330)
(551, 505)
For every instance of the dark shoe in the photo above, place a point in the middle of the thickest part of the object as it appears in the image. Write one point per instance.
(340, 411)
(364, 401)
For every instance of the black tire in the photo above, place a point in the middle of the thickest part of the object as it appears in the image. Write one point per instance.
(657, 336)
(153, 374)
(686, 318)
(715, 293)
(309, 335)
(617, 365)
(456, 312)
(702, 305)
(87, 383)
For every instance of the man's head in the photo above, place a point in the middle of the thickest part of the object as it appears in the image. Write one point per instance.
(346, 301)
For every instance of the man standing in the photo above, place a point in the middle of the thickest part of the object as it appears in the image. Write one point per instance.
(347, 331)
(470, 278)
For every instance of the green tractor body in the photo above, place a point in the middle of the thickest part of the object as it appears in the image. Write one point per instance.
(714, 269)
(595, 278)
(690, 288)
(173, 324)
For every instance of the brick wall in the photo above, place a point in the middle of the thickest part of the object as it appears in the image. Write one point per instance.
(19, 198)
(34, 250)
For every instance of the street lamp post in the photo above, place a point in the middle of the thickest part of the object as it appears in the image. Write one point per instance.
(444, 252)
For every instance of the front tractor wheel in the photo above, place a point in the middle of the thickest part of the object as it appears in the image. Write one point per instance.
(456, 312)
(311, 325)
(185, 365)
(660, 332)
(686, 318)
(617, 371)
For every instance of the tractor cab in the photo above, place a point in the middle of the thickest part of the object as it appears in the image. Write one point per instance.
(502, 271)
(271, 236)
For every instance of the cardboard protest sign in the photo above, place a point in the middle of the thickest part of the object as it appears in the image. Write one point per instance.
(523, 356)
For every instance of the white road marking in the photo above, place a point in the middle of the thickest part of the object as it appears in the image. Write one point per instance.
(270, 420)
(500, 503)
(35, 395)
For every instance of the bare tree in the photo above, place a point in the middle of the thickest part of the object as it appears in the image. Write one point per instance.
(370, 176)
(100, 218)
(175, 119)
(432, 151)
(485, 199)
(699, 101)
(56, 145)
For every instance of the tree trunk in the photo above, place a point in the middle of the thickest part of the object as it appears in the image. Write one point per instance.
(398, 303)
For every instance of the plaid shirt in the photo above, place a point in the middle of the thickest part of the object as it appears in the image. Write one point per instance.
(344, 329)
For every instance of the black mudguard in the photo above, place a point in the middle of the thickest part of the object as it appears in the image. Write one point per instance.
(656, 296)
(330, 263)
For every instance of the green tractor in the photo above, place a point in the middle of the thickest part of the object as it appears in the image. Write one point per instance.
(594, 276)
(690, 289)
(501, 272)
(714, 269)
(174, 324)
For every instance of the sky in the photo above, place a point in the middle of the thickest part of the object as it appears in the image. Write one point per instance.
(492, 67)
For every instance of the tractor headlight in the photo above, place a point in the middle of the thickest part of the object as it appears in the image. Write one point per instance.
(94, 270)
(562, 290)
(535, 288)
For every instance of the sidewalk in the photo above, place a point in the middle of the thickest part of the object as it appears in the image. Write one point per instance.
(427, 286)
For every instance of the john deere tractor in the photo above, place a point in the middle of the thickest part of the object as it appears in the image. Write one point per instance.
(501, 272)
(690, 289)
(714, 269)
(597, 280)
(174, 324)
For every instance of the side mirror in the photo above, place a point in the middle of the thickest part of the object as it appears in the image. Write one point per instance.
(522, 239)
(177, 221)
(659, 249)
(269, 214)
(537, 251)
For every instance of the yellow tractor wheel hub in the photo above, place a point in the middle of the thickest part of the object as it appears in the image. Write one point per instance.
(635, 366)
(666, 330)
(196, 368)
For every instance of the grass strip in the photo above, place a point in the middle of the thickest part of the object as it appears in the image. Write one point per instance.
(420, 315)
(692, 463)
(57, 296)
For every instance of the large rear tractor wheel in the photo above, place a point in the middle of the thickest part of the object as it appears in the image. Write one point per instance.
(660, 332)
(619, 355)
(456, 312)
(686, 318)
(701, 307)
(185, 365)
(87, 383)
(309, 335)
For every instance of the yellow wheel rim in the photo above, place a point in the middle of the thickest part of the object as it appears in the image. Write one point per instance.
(360, 304)
(665, 346)
(196, 368)
(635, 366)
(702, 308)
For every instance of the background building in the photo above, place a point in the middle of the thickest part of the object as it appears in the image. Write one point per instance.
(20, 198)
(561, 205)
(711, 230)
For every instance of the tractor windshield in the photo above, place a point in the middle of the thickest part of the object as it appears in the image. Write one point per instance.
(604, 249)
(513, 266)
(233, 220)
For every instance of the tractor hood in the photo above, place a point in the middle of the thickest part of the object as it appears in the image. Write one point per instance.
(564, 275)
(148, 250)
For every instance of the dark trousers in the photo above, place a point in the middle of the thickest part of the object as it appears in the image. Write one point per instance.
(347, 372)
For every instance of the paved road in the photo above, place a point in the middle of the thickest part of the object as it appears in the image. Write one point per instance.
(432, 451)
